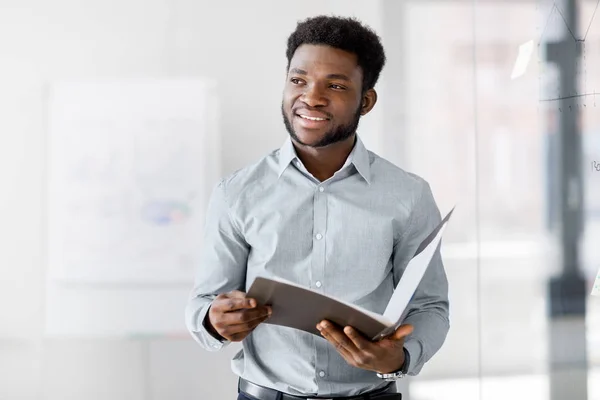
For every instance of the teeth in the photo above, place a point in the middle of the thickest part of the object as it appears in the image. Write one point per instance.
(313, 118)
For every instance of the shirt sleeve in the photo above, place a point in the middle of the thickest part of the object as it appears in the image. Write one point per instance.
(222, 267)
(428, 310)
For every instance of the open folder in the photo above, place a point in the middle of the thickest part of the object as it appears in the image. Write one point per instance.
(301, 308)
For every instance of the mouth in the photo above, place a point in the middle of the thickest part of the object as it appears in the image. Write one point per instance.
(311, 122)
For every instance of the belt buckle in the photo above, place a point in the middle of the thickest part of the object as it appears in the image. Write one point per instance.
(320, 398)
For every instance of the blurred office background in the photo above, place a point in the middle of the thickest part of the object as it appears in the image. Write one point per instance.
(493, 102)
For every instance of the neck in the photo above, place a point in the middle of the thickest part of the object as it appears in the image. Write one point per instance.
(323, 162)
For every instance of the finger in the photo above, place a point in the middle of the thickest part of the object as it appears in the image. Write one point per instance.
(335, 333)
(229, 329)
(243, 316)
(238, 337)
(228, 304)
(402, 332)
(338, 346)
(245, 327)
(358, 339)
(239, 332)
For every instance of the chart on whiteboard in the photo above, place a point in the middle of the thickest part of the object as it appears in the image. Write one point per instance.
(131, 165)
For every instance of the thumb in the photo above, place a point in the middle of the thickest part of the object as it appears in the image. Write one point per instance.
(402, 332)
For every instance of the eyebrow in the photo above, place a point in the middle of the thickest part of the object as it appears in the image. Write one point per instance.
(330, 76)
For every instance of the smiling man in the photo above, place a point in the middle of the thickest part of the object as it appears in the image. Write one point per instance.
(328, 214)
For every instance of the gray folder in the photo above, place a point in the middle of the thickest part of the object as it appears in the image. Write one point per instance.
(302, 308)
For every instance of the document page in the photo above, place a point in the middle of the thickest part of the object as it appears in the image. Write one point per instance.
(596, 287)
(411, 278)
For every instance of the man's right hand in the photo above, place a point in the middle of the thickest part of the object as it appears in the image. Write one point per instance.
(233, 315)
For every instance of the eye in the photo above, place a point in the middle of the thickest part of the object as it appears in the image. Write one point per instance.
(295, 81)
(337, 87)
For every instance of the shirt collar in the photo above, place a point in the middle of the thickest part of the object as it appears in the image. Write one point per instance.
(361, 160)
(359, 157)
(287, 153)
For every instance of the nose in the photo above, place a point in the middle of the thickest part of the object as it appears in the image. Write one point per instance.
(313, 96)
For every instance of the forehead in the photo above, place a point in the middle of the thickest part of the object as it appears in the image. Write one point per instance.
(324, 60)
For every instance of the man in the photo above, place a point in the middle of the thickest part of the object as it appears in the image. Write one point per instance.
(325, 213)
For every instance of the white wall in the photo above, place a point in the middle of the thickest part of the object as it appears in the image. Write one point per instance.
(240, 43)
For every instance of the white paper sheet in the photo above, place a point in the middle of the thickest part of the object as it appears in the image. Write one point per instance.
(411, 278)
(596, 287)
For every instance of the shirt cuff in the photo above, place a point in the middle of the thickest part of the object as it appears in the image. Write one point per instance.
(213, 342)
(415, 352)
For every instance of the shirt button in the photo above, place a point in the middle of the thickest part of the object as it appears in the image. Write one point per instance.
(319, 236)
(216, 346)
(318, 283)
(322, 374)
(321, 189)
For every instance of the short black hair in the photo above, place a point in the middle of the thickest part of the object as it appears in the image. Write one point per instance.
(344, 33)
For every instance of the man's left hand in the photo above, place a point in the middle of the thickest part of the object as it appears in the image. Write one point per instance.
(384, 356)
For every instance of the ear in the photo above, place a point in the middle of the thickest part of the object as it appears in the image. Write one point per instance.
(368, 101)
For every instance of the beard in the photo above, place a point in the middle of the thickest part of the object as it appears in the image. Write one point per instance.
(334, 135)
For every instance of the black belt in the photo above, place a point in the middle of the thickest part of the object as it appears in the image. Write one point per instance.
(262, 393)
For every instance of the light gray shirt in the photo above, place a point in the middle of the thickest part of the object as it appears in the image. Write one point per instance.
(350, 236)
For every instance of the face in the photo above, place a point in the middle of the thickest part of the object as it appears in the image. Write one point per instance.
(322, 99)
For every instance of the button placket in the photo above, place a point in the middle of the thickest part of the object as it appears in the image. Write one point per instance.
(317, 276)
